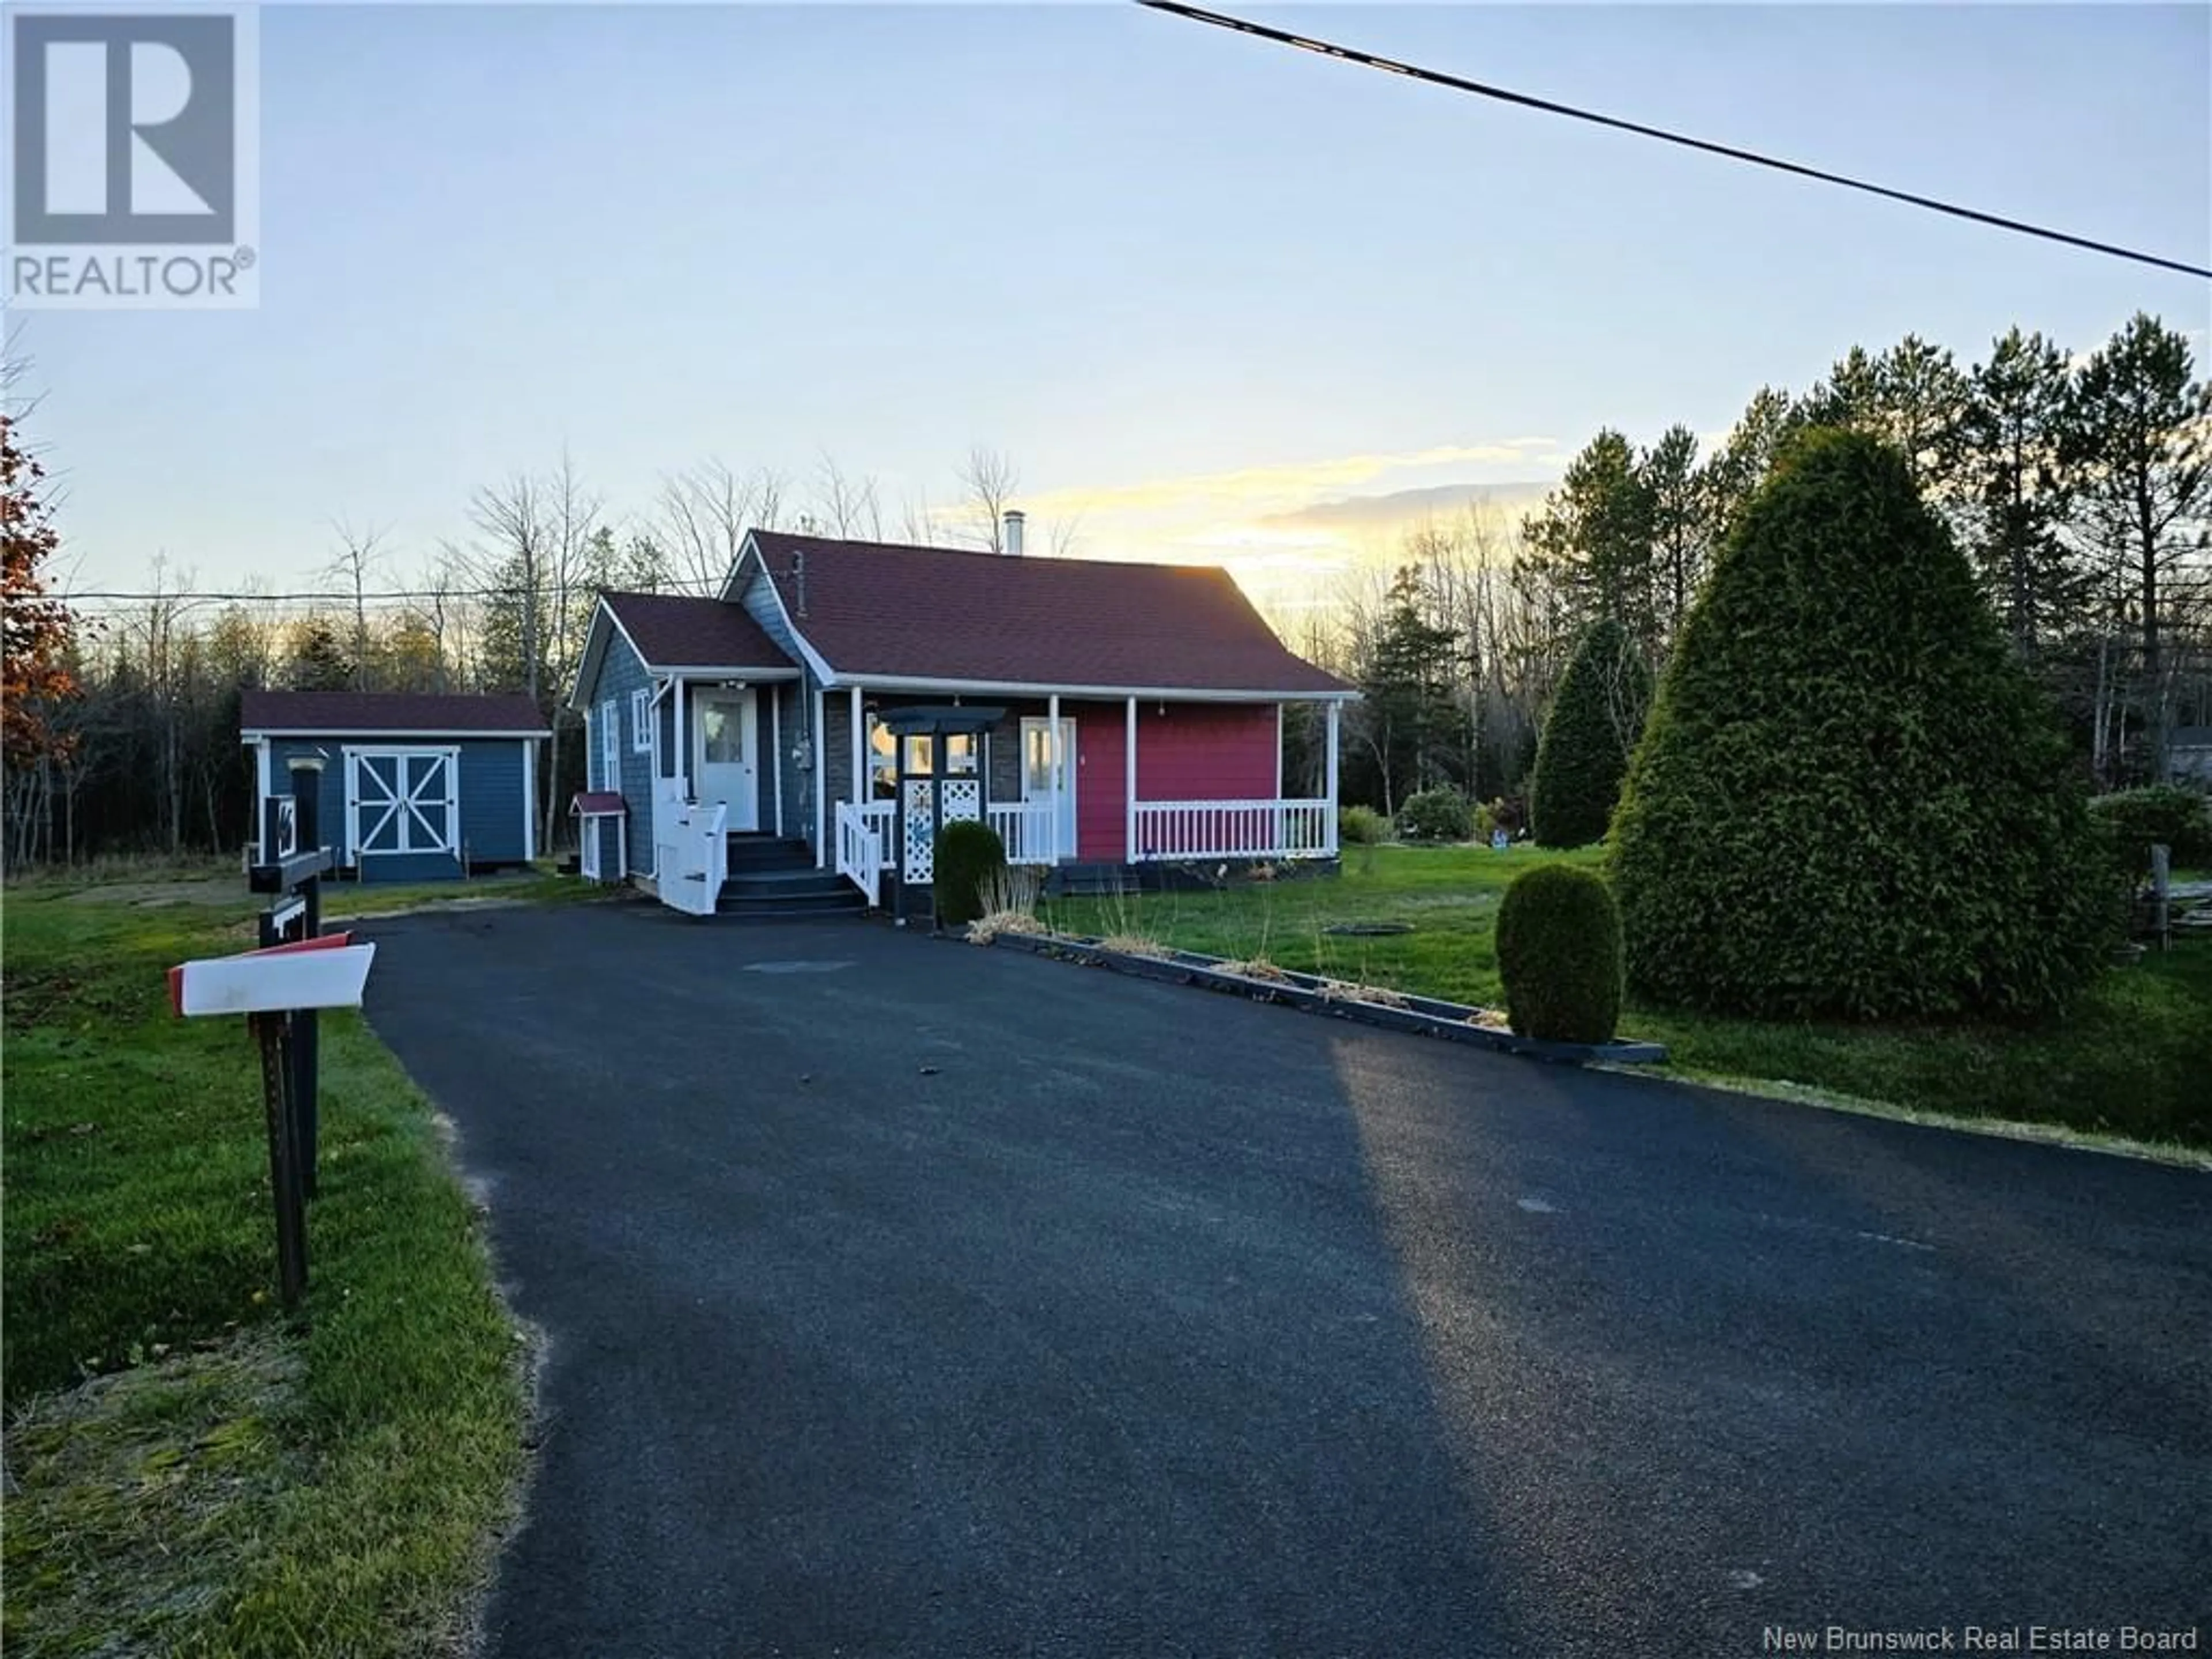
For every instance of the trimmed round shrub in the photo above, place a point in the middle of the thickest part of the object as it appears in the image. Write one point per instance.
(2138, 819)
(1361, 826)
(1583, 753)
(1437, 814)
(1850, 800)
(1559, 952)
(968, 853)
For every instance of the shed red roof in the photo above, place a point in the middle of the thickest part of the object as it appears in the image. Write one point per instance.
(367, 713)
(596, 803)
(674, 630)
(875, 608)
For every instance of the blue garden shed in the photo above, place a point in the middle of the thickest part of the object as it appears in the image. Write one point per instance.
(416, 787)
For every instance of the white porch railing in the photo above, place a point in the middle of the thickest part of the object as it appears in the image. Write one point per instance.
(860, 831)
(1025, 828)
(1167, 830)
(691, 856)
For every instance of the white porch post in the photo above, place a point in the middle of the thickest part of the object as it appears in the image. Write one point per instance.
(1057, 762)
(682, 747)
(1129, 789)
(1282, 820)
(859, 754)
(821, 783)
(775, 748)
(1328, 816)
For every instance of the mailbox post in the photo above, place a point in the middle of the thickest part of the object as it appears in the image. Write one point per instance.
(278, 988)
(306, 810)
(269, 987)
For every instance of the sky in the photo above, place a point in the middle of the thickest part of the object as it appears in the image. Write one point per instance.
(1193, 284)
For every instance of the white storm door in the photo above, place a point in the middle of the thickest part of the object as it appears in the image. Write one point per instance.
(1044, 782)
(728, 767)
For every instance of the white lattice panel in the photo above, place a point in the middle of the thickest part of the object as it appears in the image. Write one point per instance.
(917, 839)
(963, 798)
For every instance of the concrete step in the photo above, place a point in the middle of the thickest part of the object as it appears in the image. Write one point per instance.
(748, 851)
(843, 901)
(746, 918)
(762, 882)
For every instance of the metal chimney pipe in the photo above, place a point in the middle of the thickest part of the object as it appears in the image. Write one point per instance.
(1011, 542)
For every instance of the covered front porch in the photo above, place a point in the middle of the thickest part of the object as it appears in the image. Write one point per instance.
(1068, 779)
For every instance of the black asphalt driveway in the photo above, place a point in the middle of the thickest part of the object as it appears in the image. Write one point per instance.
(906, 1298)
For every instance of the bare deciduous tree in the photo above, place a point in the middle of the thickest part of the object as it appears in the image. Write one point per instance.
(360, 553)
(845, 505)
(702, 517)
(990, 478)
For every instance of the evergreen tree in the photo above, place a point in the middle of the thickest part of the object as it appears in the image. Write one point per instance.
(1851, 800)
(2015, 433)
(1674, 490)
(1584, 752)
(1407, 717)
(1592, 541)
(319, 662)
(2143, 430)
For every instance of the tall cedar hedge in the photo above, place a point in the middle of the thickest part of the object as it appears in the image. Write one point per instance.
(1583, 753)
(1850, 800)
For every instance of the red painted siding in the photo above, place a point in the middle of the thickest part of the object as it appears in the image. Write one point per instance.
(1206, 751)
(1191, 751)
(1101, 782)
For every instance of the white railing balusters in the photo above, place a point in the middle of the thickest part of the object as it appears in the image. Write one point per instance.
(860, 848)
(1266, 829)
(1026, 829)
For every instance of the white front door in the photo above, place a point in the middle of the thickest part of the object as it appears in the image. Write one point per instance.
(726, 754)
(1043, 781)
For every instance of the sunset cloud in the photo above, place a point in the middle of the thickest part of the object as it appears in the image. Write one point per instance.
(1272, 488)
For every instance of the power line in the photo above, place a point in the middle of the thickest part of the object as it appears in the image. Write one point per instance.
(346, 598)
(1526, 100)
(185, 596)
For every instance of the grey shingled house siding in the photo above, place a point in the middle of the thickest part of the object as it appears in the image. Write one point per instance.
(792, 785)
(620, 674)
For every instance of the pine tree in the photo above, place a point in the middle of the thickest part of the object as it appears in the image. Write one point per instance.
(319, 662)
(1406, 715)
(1592, 541)
(2016, 431)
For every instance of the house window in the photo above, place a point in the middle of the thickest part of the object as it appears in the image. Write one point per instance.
(640, 721)
(883, 760)
(610, 747)
(961, 753)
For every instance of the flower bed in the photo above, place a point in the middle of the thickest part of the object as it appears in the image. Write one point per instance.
(1394, 1011)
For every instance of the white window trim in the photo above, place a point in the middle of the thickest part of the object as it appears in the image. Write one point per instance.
(609, 736)
(640, 722)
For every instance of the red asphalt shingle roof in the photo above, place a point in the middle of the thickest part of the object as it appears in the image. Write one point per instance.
(369, 712)
(673, 630)
(874, 607)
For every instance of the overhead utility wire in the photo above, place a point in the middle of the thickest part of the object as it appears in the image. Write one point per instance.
(1526, 100)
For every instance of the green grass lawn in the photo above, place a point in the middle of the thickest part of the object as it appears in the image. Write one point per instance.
(2128, 1061)
(230, 1481)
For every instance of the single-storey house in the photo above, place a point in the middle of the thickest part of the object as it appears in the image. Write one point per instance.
(415, 786)
(847, 697)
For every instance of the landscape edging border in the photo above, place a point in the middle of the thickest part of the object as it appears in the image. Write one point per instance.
(1422, 1016)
